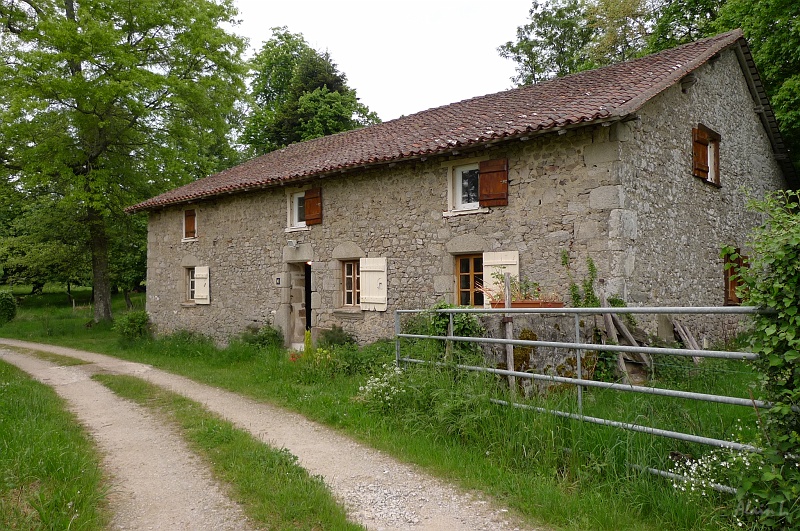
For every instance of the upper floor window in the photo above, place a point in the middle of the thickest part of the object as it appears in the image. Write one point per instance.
(705, 154)
(466, 182)
(304, 208)
(298, 209)
(189, 224)
(474, 185)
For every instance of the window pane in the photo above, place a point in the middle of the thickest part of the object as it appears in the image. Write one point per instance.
(478, 298)
(477, 265)
(463, 265)
(301, 208)
(464, 299)
(464, 282)
(469, 186)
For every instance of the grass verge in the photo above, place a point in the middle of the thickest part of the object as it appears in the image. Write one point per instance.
(48, 466)
(274, 490)
(554, 471)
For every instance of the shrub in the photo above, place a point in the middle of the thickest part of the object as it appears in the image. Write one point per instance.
(464, 325)
(772, 281)
(133, 325)
(8, 307)
(266, 337)
(336, 336)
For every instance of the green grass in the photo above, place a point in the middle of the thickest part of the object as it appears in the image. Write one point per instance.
(275, 491)
(49, 472)
(554, 471)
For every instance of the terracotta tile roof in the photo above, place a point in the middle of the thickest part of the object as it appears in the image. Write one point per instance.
(607, 93)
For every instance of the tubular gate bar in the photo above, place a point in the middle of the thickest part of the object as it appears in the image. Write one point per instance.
(579, 347)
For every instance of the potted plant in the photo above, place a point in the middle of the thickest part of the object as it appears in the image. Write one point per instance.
(525, 293)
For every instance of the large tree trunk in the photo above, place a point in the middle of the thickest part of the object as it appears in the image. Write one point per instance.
(100, 281)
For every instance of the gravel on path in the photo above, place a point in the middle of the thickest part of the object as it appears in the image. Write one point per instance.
(379, 492)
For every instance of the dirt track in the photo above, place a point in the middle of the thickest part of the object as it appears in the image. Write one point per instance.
(159, 484)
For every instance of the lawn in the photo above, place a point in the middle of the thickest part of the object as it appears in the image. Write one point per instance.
(554, 471)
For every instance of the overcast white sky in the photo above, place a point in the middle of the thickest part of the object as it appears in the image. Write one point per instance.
(401, 56)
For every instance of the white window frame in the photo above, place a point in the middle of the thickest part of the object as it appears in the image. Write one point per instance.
(292, 197)
(454, 205)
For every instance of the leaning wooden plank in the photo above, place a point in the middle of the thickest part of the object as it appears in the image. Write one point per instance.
(645, 358)
(611, 334)
(688, 340)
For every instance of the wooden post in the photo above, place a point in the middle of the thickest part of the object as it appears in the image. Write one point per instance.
(509, 334)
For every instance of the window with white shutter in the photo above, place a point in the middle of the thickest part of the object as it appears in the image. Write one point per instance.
(373, 283)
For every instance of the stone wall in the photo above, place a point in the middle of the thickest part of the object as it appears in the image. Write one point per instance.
(622, 194)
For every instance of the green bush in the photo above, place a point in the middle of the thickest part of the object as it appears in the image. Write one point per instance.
(266, 337)
(133, 325)
(8, 307)
(770, 494)
(335, 336)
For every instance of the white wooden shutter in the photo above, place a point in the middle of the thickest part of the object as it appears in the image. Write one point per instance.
(201, 291)
(373, 284)
(498, 262)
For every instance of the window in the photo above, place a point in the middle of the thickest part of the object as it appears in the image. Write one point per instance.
(298, 209)
(705, 154)
(469, 280)
(474, 186)
(197, 285)
(351, 283)
(466, 181)
(733, 263)
(189, 224)
(304, 208)
(190, 283)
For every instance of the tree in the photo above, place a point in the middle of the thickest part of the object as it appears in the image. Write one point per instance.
(554, 42)
(683, 21)
(298, 94)
(567, 36)
(772, 28)
(108, 102)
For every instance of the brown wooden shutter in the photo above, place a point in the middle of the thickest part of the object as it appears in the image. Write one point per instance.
(189, 227)
(313, 206)
(700, 141)
(732, 281)
(493, 183)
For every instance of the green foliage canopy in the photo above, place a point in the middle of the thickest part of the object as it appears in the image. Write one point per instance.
(108, 102)
(298, 94)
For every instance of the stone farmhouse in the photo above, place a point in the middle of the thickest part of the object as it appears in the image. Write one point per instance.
(642, 166)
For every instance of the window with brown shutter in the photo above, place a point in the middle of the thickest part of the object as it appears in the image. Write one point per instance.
(189, 224)
(705, 154)
(733, 265)
(313, 206)
(493, 183)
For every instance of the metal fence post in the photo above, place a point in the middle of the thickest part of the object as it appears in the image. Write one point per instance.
(396, 338)
(578, 363)
(448, 345)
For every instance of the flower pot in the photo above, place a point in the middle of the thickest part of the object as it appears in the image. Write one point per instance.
(529, 304)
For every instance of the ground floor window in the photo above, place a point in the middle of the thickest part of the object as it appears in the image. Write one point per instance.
(469, 280)
(351, 283)
(191, 283)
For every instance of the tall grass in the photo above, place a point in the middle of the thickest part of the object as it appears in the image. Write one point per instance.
(552, 470)
(49, 474)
